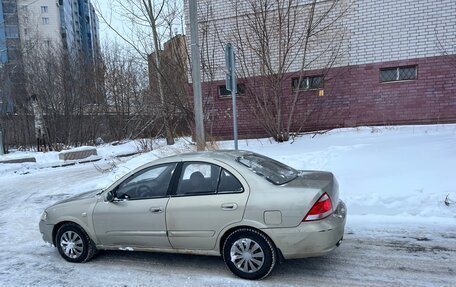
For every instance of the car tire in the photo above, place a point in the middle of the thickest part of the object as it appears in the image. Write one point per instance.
(74, 244)
(249, 254)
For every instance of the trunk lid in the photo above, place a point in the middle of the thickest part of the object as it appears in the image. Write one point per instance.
(325, 181)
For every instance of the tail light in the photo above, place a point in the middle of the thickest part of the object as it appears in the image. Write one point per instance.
(321, 209)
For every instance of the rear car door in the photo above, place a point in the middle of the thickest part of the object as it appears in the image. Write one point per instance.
(208, 198)
(136, 217)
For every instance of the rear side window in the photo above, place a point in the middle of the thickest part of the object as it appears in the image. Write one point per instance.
(229, 183)
(205, 178)
(198, 178)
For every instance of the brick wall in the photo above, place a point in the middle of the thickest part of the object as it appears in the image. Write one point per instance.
(354, 96)
(390, 30)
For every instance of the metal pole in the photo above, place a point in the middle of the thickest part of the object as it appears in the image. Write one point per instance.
(196, 75)
(2, 150)
(233, 95)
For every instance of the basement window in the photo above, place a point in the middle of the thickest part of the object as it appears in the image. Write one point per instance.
(308, 83)
(398, 74)
(223, 92)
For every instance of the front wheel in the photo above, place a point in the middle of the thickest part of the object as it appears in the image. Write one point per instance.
(74, 244)
(249, 254)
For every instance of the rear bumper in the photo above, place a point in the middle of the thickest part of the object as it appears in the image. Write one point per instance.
(310, 239)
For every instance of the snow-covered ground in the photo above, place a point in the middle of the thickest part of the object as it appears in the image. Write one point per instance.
(394, 180)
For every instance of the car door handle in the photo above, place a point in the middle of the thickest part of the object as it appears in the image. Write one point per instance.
(156, 209)
(229, 206)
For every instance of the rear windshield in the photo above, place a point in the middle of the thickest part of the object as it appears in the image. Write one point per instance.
(272, 170)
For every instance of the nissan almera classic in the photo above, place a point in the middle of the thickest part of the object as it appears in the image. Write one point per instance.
(250, 209)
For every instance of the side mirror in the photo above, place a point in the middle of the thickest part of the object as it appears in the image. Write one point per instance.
(110, 196)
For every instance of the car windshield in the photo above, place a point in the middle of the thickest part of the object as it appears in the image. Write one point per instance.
(272, 170)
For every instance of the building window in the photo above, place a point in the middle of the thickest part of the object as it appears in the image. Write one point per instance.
(308, 83)
(11, 31)
(398, 74)
(48, 43)
(45, 20)
(44, 9)
(25, 31)
(223, 92)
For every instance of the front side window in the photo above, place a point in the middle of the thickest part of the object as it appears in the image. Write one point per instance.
(398, 74)
(149, 183)
(272, 170)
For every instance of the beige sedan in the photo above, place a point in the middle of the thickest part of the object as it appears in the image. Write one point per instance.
(250, 209)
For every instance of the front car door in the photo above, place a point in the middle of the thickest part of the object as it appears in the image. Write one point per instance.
(208, 198)
(136, 217)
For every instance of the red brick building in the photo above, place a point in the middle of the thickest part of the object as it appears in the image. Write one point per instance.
(396, 64)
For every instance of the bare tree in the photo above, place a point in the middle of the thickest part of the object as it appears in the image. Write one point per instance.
(130, 109)
(277, 38)
(68, 93)
(150, 23)
(175, 84)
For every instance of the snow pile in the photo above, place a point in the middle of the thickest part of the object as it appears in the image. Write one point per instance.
(394, 180)
(404, 170)
(397, 171)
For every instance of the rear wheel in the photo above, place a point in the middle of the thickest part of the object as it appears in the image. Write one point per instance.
(74, 244)
(249, 254)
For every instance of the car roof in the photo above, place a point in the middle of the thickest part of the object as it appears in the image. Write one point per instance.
(227, 155)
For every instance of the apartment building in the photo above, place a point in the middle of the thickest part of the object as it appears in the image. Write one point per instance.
(28, 25)
(71, 24)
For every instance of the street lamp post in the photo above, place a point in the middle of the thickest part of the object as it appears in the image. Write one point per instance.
(2, 150)
(196, 76)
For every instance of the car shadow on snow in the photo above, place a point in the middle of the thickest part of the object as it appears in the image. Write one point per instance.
(151, 259)
(205, 265)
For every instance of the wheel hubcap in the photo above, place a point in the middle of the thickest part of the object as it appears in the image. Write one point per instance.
(71, 244)
(247, 255)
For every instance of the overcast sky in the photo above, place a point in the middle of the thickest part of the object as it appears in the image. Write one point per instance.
(107, 13)
(104, 8)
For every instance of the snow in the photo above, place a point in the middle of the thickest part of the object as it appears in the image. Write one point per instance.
(394, 181)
